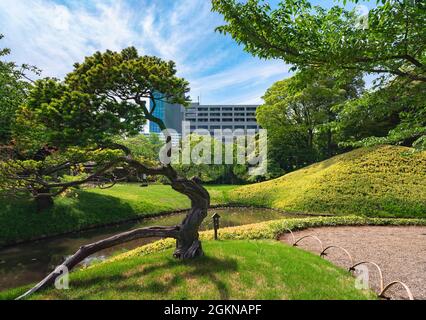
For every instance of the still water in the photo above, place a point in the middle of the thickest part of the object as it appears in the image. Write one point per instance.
(27, 263)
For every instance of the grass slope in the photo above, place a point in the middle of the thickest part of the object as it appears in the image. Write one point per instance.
(20, 221)
(229, 270)
(380, 181)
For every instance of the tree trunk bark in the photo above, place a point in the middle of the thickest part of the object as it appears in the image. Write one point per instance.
(310, 138)
(188, 244)
(43, 200)
(329, 143)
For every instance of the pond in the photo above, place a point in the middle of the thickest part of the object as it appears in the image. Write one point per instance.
(31, 262)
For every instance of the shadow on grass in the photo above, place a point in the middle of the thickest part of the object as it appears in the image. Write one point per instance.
(204, 267)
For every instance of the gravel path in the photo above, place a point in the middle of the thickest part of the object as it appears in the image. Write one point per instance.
(399, 251)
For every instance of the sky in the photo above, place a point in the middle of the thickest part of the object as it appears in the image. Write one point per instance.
(54, 34)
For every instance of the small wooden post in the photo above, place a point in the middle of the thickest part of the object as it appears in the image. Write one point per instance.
(216, 218)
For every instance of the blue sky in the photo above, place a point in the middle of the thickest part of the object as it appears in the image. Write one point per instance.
(53, 34)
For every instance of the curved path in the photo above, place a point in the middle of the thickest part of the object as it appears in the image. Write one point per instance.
(399, 251)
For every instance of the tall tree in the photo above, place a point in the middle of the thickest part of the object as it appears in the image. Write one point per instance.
(14, 87)
(394, 114)
(104, 97)
(388, 42)
(300, 116)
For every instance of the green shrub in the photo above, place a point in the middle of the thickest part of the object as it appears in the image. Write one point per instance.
(379, 181)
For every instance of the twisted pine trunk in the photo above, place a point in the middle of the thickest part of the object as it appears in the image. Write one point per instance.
(188, 244)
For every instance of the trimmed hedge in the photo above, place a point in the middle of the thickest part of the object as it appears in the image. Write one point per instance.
(384, 181)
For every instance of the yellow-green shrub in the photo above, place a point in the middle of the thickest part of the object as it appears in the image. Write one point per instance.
(377, 181)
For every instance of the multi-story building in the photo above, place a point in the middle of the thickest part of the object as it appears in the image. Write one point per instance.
(211, 117)
(171, 114)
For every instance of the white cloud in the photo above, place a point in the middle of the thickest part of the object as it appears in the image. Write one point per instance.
(251, 78)
(181, 33)
(249, 72)
(53, 36)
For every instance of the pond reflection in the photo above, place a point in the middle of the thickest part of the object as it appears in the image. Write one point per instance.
(28, 263)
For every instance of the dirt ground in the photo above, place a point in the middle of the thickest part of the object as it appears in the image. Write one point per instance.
(400, 252)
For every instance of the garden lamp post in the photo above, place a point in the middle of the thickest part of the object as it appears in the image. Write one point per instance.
(216, 218)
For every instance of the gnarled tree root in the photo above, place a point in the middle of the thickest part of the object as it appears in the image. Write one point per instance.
(87, 250)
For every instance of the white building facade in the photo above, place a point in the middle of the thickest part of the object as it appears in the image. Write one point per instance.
(213, 117)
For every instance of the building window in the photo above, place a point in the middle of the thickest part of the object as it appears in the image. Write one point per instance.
(159, 112)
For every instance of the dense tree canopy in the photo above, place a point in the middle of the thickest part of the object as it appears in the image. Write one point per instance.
(66, 124)
(389, 42)
(394, 114)
(104, 96)
(300, 115)
(221, 171)
(14, 87)
(143, 146)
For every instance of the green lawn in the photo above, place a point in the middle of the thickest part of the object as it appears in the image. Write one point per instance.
(20, 221)
(385, 181)
(229, 270)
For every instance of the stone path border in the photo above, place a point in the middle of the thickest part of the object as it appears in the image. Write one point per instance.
(399, 251)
